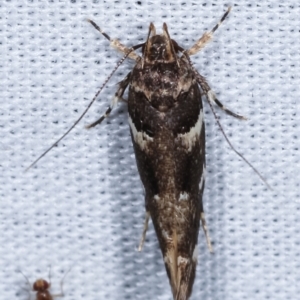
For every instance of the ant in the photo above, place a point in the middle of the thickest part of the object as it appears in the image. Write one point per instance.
(42, 286)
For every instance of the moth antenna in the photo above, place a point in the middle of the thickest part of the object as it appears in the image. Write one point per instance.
(207, 36)
(114, 42)
(238, 153)
(99, 29)
(211, 98)
(88, 107)
(222, 20)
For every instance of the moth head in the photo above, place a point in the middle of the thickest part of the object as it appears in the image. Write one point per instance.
(159, 48)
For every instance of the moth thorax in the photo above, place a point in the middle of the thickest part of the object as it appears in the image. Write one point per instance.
(41, 285)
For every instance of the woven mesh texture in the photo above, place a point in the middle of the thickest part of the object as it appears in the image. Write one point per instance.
(83, 206)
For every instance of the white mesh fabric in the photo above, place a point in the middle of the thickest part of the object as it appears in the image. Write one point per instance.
(83, 205)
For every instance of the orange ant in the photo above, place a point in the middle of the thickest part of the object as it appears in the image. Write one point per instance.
(42, 286)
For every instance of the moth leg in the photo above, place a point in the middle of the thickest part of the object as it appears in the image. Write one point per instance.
(105, 115)
(147, 217)
(206, 37)
(203, 223)
(211, 97)
(117, 97)
(116, 43)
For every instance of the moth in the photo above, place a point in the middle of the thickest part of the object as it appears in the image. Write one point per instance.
(168, 135)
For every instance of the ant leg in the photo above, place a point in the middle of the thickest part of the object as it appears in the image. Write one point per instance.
(61, 294)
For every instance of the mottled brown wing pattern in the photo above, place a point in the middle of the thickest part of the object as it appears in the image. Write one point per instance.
(168, 135)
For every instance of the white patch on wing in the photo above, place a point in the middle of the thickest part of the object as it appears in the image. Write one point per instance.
(184, 196)
(141, 138)
(195, 254)
(181, 260)
(189, 139)
(201, 182)
(202, 178)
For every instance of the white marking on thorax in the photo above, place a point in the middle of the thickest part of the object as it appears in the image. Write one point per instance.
(189, 139)
(184, 196)
(141, 138)
(165, 234)
(156, 197)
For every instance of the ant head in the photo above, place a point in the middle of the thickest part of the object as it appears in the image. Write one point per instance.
(41, 285)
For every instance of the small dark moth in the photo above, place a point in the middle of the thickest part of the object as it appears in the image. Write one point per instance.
(167, 130)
